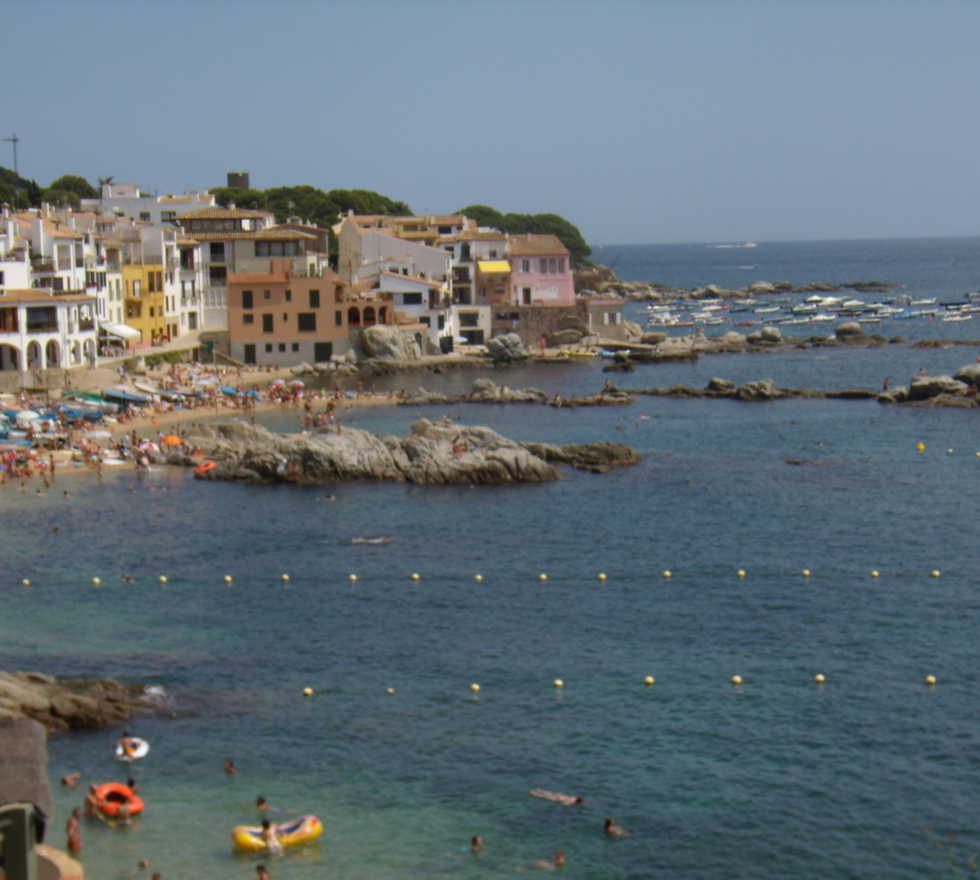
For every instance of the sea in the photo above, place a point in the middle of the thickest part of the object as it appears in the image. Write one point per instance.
(771, 541)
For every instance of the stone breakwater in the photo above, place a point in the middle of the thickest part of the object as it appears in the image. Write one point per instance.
(71, 703)
(433, 454)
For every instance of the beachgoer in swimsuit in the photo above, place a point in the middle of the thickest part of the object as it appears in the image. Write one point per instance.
(270, 838)
(614, 830)
(565, 800)
(476, 844)
(557, 861)
(74, 831)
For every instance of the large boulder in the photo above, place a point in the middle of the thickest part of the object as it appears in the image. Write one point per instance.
(926, 387)
(389, 343)
(761, 287)
(720, 386)
(969, 373)
(849, 330)
(762, 389)
(485, 391)
(765, 336)
(507, 348)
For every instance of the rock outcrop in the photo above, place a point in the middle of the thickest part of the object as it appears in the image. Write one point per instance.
(507, 348)
(434, 453)
(389, 343)
(69, 704)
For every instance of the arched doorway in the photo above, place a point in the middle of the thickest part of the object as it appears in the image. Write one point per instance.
(34, 359)
(76, 354)
(353, 317)
(369, 316)
(52, 353)
(9, 357)
(383, 315)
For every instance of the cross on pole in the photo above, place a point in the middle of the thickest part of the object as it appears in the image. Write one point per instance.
(13, 140)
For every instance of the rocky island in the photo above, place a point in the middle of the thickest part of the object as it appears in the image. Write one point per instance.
(437, 453)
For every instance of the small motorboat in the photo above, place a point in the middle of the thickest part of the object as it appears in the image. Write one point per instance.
(376, 539)
(306, 829)
(111, 797)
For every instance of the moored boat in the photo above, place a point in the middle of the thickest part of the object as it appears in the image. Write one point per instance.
(306, 829)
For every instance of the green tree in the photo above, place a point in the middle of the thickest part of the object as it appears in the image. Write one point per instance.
(537, 224)
(250, 199)
(74, 184)
(484, 216)
(60, 198)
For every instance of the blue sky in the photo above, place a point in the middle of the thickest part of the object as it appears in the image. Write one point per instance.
(680, 120)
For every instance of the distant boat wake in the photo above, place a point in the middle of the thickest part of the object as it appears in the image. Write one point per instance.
(378, 539)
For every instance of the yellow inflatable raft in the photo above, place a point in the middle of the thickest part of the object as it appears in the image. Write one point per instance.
(306, 829)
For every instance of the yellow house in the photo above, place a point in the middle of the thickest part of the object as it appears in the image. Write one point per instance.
(143, 286)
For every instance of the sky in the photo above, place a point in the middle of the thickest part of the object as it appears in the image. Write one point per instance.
(641, 122)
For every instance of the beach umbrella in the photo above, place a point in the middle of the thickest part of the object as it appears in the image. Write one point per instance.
(149, 446)
(172, 440)
(297, 383)
(277, 383)
(27, 415)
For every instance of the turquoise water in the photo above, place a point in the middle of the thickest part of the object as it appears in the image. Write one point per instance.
(778, 777)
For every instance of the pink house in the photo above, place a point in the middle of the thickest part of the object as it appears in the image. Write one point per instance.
(541, 271)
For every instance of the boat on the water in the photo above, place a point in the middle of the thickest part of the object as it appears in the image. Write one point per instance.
(306, 829)
(135, 749)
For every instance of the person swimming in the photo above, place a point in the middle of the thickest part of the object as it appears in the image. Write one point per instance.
(565, 800)
(614, 830)
(556, 861)
(476, 844)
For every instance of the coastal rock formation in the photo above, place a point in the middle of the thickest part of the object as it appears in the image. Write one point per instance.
(969, 373)
(389, 343)
(765, 336)
(925, 387)
(485, 391)
(69, 704)
(507, 348)
(849, 329)
(435, 453)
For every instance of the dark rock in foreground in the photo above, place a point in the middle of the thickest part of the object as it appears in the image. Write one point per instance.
(69, 704)
(435, 453)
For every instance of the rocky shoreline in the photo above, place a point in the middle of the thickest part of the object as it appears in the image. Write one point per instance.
(70, 703)
(438, 453)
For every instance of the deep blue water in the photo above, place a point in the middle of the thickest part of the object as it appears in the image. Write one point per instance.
(779, 777)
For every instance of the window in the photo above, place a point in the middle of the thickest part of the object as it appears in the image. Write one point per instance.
(218, 275)
(338, 318)
(289, 296)
(525, 265)
(338, 293)
(469, 319)
(493, 254)
(168, 216)
(145, 216)
(295, 346)
(277, 248)
(267, 323)
(217, 251)
(442, 322)
(543, 265)
(552, 264)
(561, 264)
(285, 317)
(282, 346)
(267, 294)
(426, 321)
(247, 299)
(314, 299)
(268, 347)
(1, 279)
(412, 299)
(306, 321)
(248, 319)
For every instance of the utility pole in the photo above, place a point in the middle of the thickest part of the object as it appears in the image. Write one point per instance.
(13, 140)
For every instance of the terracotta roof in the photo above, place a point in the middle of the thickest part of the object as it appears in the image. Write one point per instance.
(216, 213)
(536, 245)
(476, 235)
(42, 296)
(187, 242)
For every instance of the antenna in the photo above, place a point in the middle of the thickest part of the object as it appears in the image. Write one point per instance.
(13, 140)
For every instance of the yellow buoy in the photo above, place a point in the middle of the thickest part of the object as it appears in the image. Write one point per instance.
(806, 572)
(649, 681)
(352, 577)
(389, 690)
(478, 578)
(920, 447)
(601, 576)
(284, 578)
(736, 679)
(475, 688)
(874, 573)
(416, 576)
(542, 577)
(935, 573)
(163, 579)
(96, 581)
(741, 572)
(26, 582)
(950, 451)
(667, 573)
(228, 578)
(819, 678)
(558, 683)
(307, 692)
(930, 680)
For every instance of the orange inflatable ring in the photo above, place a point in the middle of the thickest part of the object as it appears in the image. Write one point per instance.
(110, 796)
(204, 467)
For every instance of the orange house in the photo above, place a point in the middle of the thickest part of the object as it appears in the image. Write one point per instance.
(283, 319)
